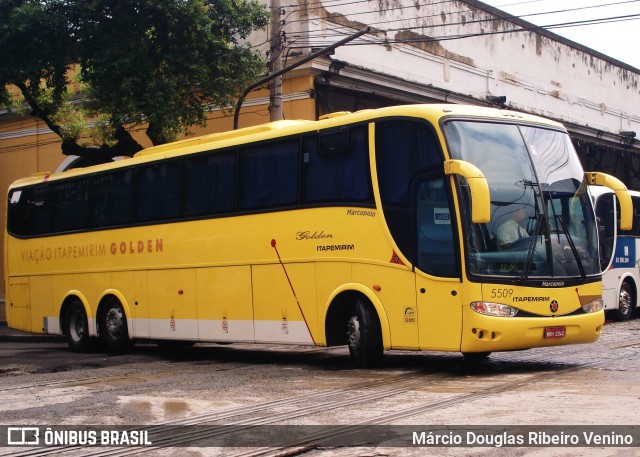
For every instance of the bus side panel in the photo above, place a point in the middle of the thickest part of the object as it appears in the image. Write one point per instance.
(47, 317)
(610, 295)
(225, 307)
(329, 277)
(398, 297)
(133, 286)
(61, 285)
(173, 313)
(92, 286)
(277, 317)
(18, 304)
(440, 312)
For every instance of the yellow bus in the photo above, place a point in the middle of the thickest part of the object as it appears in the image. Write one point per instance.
(380, 229)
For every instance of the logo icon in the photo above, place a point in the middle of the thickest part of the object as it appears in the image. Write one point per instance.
(23, 436)
(554, 306)
(409, 316)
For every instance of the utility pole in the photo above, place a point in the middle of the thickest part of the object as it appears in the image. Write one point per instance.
(271, 76)
(275, 96)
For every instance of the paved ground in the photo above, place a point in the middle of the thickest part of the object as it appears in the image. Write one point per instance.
(265, 392)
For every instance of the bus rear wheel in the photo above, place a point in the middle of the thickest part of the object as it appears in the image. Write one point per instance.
(76, 328)
(364, 336)
(625, 302)
(113, 328)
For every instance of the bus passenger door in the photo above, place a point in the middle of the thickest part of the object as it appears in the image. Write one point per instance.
(437, 267)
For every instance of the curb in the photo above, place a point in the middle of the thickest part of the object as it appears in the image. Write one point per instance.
(18, 336)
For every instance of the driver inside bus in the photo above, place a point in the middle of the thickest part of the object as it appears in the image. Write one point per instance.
(512, 229)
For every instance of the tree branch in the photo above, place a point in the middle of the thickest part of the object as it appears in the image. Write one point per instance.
(37, 110)
(125, 144)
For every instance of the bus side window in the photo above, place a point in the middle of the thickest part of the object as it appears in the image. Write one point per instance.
(436, 253)
(339, 171)
(404, 150)
(70, 205)
(269, 175)
(606, 229)
(111, 199)
(209, 184)
(29, 211)
(635, 228)
(39, 206)
(157, 190)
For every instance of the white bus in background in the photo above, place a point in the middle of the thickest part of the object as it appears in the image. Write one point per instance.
(619, 254)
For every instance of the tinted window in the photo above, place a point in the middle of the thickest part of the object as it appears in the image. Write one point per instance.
(70, 204)
(29, 211)
(436, 253)
(209, 184)
(606, 230)
(336, 167)
(635, 229)
(111, 197)
(158, 191)
(269, 175)
(404, 150)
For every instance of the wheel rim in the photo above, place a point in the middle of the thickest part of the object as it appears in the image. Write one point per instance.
(353, 333)
(114, 323)
(76, 326)
(624, 302)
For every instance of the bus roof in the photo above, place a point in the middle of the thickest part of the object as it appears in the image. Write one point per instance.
(597, 191)
(431, 112)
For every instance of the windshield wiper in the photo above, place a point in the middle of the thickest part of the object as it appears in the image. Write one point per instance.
(572, 245)
(532, 245)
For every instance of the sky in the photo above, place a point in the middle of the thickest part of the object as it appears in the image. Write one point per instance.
(620, 40)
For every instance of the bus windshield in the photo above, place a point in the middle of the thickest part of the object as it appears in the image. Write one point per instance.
(542, 221)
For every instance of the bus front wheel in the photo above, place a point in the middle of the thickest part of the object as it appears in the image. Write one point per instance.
(113, 327)
(76, 328)
(364, 336)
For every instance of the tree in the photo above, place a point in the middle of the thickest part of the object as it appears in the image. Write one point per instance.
(157, 63)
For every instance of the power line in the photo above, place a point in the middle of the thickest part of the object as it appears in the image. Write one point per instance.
(517, 30)
(386, 41)
(487, 20)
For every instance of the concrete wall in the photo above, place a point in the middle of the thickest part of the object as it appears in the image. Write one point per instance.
(538, 72)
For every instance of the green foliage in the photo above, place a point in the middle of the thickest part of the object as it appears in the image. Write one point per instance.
(34, 48)
(154, 62)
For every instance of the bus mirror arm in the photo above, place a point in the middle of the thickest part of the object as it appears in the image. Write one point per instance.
(624, 198)
(480, 198)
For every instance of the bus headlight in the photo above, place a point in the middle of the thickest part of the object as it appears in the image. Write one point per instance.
(493, 309)
(594, 306)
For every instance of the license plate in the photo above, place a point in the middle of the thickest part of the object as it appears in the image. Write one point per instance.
(555, 332)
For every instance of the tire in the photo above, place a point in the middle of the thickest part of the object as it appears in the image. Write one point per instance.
(113, 328)
(76, 328)
(625, 302)
(364, 336)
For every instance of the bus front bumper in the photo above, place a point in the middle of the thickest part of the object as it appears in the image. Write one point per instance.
(482, 333)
